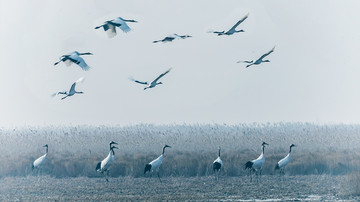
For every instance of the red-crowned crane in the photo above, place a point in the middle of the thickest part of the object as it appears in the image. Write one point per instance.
(172, 37)
(256, 165)
(110, 26)
(217, 164)
(74, 57)
(155, 164)
(104, 165)
(258, 61)
(153, 83)
(39, 161)
(232, 30)
(72, 90)
(283, 162)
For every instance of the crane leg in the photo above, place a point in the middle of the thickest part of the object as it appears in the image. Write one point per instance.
(158, 176)
(150, 176)
(106, 176)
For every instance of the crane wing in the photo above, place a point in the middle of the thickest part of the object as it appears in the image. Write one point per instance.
(161, 75)
(238, 23)
(72, 89)
(124, 27)
(79, 61)
(119, 22)
(266, 54)
(137, 81)
(57, 93)
(244, 61)
(80, 80)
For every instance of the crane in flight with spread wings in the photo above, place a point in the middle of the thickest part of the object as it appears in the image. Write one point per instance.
(72, 90)
(110, 26)
(153, 83)
(232, 30)
(258, 61)
(74, 57)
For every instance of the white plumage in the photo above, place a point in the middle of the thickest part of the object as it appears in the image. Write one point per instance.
(217, 164)
(110, 26)
(74, 57)
(155, 164)
(283, 162)
(39, 161)
(104, 165)
(256, 165)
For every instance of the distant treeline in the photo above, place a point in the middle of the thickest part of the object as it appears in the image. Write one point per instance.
(75, 150)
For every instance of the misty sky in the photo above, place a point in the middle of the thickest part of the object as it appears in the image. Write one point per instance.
(313, 75)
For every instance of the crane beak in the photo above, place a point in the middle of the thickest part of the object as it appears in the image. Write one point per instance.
(115, 147)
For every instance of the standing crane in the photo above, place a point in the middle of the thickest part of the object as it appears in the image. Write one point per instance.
(74, 57)
(155, 164)
(256, 165)
(39, 161)
(283, 162)
(232, 30)
(104, 165)
(110, 26)
(217, 164)
(258, 61)
(153, 83)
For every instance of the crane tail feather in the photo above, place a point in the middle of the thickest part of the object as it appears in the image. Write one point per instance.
(98, 166)
(216, 166)
(147, 168)
(277, 167)
(248, 165)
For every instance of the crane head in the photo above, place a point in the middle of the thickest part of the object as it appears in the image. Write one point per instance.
(112, 142)
(292, 145)
(113, 147)
(86, 53)
(264, 143)
(167, 146)
(45, 146)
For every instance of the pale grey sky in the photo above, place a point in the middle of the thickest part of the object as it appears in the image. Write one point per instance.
(313, 74)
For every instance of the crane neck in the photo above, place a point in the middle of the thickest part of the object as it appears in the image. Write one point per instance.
(290, 150)
(112, 151)
(263, 149)
(219, 152)
(47, 149)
